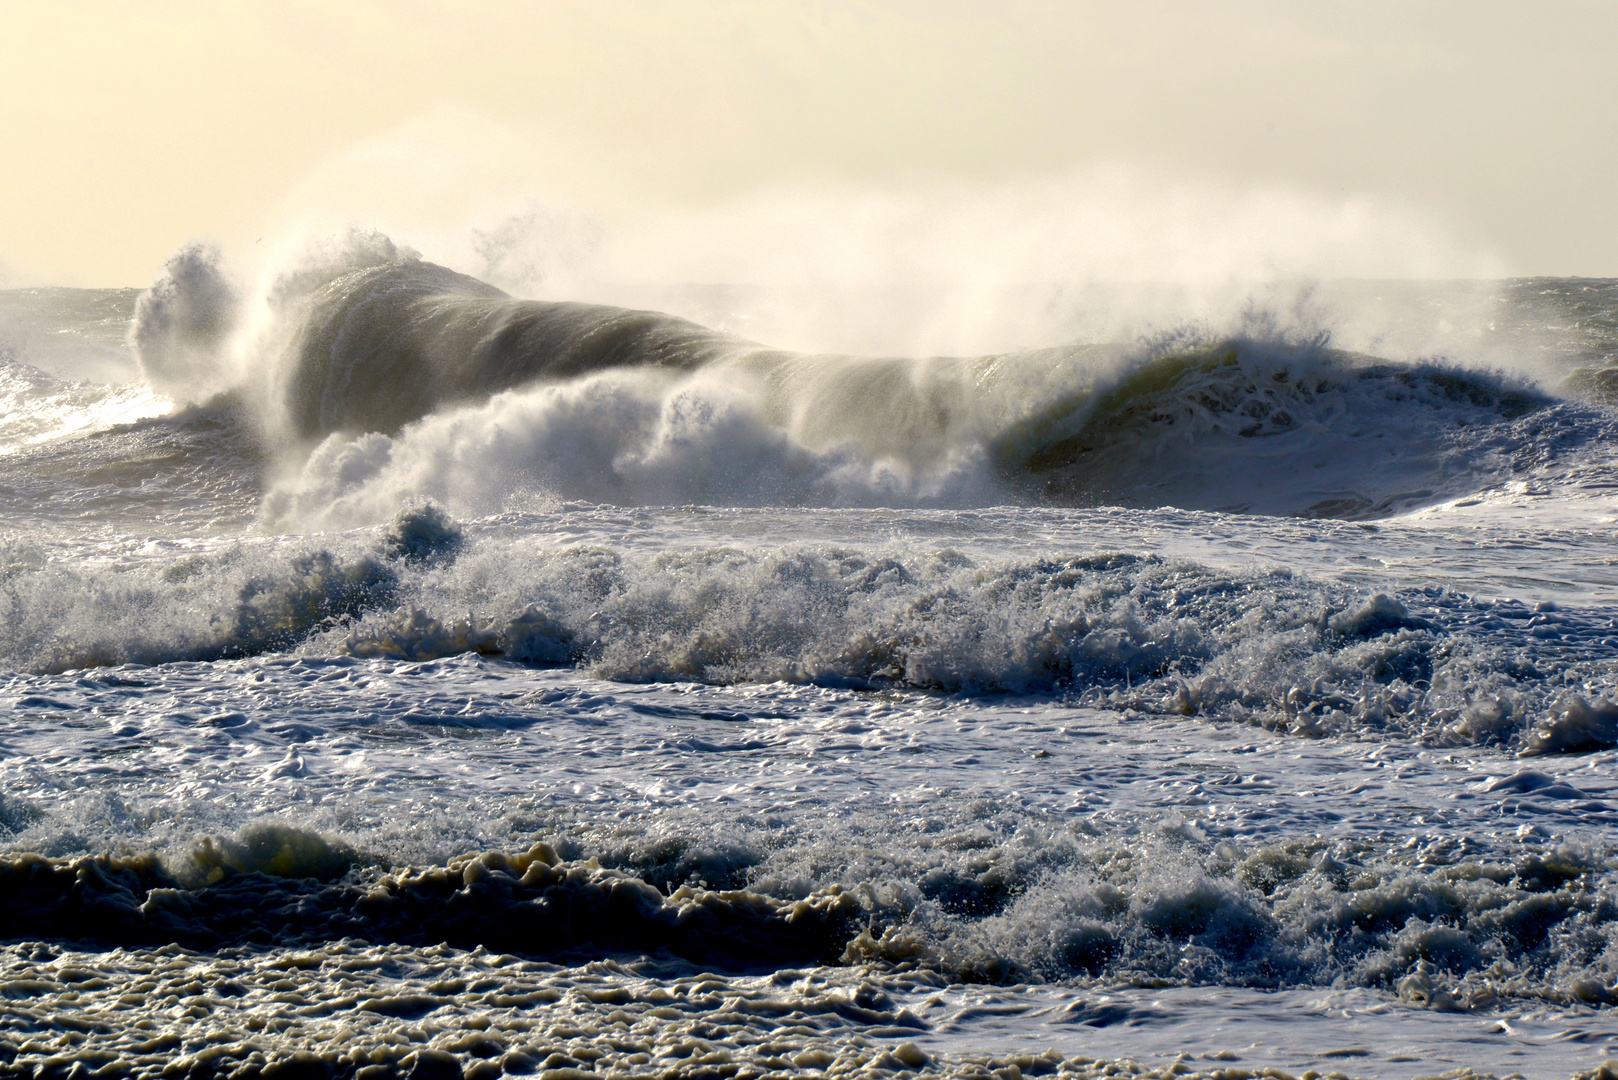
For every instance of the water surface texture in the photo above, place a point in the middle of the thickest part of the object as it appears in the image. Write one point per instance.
(401, 678)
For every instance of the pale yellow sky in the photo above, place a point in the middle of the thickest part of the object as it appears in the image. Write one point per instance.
(129, 129)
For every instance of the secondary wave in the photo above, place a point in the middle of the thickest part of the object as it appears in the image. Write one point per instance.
(1438, 927)
(1110, 630)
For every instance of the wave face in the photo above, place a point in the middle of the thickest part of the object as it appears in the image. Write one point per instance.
(1262, 422)
(381, 346)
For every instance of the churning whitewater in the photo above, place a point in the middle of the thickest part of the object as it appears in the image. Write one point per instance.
(404, 678)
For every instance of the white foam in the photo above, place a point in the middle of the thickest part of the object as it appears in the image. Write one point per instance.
(37, 408)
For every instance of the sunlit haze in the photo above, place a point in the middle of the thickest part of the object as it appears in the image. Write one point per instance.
(1239, 139)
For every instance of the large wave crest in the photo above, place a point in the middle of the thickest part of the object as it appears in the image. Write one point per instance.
(384, 379)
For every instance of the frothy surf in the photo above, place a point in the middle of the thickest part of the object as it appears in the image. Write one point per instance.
(1116, 630)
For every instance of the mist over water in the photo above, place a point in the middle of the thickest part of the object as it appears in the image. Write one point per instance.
(878, 628)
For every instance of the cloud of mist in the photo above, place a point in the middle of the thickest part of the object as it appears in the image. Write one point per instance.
(1096, 254)
(182, 324)
(1102, 252)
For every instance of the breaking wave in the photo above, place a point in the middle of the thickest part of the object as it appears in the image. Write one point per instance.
(525, 902)
(1427, 921)
(388, 379)
(1119, 631)
(379, 347)
(183, 323)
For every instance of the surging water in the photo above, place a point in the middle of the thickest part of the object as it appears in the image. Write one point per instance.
(404, 675)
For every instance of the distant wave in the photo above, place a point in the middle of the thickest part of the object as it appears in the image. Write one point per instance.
(37, 407)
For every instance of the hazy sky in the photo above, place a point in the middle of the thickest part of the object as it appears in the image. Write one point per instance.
(129, 129)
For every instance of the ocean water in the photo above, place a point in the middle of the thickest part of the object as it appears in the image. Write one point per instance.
(399, 678)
